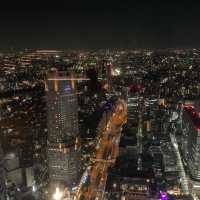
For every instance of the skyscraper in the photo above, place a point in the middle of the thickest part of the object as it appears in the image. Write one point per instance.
(190, 143)
(132, 102)
(63, 150)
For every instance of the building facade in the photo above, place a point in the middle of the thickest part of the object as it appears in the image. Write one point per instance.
(190, 144)
(132, 104)
(63, 149)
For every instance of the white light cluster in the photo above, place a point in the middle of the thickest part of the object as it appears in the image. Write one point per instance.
(58, 195)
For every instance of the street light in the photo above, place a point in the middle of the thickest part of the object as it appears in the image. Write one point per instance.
(58, 195)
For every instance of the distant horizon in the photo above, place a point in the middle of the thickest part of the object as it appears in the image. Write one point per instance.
(98, 49)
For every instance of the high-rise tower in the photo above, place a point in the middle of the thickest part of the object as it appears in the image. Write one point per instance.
(190, 144)
(62, 116)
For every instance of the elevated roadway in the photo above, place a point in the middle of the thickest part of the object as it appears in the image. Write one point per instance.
(107, 150)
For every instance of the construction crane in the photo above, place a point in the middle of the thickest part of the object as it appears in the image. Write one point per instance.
(93, 181)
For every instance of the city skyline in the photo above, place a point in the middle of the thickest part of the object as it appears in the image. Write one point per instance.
(103, 124)
(100, 100)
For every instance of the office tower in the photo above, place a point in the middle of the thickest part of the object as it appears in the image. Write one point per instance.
(132, 103)
(62, 117)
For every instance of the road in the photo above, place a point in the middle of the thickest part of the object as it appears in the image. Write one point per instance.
(107, 149)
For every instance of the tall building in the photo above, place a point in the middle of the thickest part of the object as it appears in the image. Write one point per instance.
(132, 104)
(190, 144)
(63, 150)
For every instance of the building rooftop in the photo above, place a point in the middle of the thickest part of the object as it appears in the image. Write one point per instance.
(194, 115)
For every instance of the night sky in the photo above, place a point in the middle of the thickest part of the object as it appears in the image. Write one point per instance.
(82, 24)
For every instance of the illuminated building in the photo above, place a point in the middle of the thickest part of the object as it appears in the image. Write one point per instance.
(63, 150)
(132, 103)
(190, 144)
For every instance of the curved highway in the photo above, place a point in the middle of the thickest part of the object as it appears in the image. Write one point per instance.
(107, 149)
